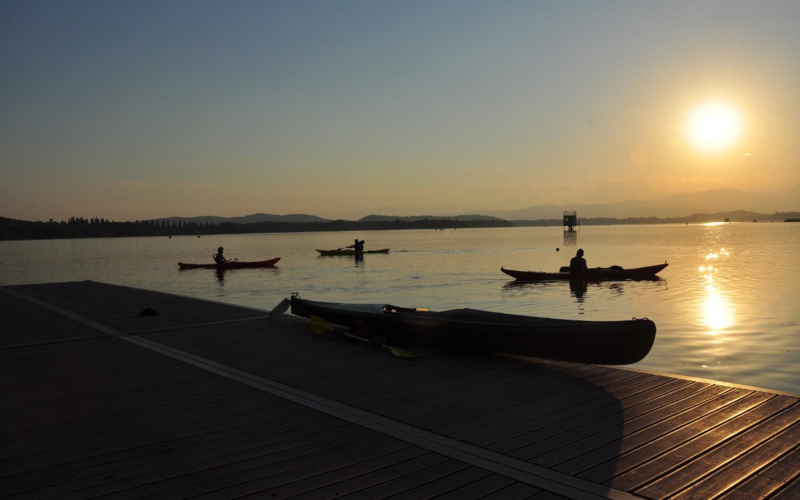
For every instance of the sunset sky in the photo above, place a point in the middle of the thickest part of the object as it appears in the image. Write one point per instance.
(141, 109)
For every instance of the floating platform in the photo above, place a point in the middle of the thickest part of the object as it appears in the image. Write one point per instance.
(216, 401)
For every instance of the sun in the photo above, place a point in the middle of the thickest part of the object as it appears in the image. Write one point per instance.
(714, 127)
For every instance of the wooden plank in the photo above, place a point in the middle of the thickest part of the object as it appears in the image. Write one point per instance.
(643, 450)
(760, 486)
(189, 472)
(357, 484)
(780, 472)
(613, 427)
(457, 392)
(452, 418)
(648, 427)
(524, 409)
(327, 476)
(479, 489)
(575, 428)
(517, 491)
(115, 464)
(444, 485)
(790, 492)
(604, 402)
(740, 495)
(651, 471)
(408, 482)
(727, 461)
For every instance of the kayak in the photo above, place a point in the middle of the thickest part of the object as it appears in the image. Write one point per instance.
(598, 274)
(598, 342)
(350, 252)
(231, 265)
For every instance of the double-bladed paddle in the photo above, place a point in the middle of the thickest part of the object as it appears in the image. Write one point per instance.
(319, 326)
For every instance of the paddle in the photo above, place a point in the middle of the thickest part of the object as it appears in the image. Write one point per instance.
(319, 326)
(281, 308)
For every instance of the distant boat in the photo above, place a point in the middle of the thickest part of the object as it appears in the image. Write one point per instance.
(598, 274)
(350, 252)
(235, 264)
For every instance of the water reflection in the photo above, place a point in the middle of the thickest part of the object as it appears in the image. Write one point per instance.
(578, 289)
(570, 239)
(247, 275)
(715, 312)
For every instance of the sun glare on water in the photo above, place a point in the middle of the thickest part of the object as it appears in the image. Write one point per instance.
(714, 127)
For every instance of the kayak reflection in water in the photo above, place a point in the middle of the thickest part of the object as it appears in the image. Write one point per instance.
(358, 246)
(219, 258)
(577, 265)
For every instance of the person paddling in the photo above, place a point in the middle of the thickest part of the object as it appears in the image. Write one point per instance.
(219, 258)
(577, 265)
(358, 246)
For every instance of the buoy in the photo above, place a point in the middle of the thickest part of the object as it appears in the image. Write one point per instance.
(557, 249)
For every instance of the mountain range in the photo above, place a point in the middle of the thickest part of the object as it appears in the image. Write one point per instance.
(682, 205)
(705, 202)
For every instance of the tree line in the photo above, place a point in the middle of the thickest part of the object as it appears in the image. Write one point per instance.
(79, 227)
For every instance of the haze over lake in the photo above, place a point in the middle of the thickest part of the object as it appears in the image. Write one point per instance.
(725, 308)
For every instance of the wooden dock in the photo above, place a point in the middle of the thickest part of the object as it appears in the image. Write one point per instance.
(216, 401)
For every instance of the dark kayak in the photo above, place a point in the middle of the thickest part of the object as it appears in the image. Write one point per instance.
(600, 342)
(231, 265)
(598, 274)
(350, 252)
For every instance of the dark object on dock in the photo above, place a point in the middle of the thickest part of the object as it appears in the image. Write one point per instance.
(231, 265)
(598, 274)
(600, 342)
(149, 312)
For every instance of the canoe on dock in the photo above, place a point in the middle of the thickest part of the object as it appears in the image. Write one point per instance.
(231, 265)
(601, 342)
(350, 252)
(598, 274)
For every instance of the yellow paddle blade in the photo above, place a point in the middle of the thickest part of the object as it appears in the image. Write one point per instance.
(318, 325)
(402, 353)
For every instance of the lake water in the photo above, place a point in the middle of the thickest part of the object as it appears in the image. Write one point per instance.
(726, 308)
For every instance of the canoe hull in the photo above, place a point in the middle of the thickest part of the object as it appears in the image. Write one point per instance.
(231, 265)
(600, 274)
(350, 252)
(597, 342)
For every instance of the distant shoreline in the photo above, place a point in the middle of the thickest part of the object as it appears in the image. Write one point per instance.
(16, 230)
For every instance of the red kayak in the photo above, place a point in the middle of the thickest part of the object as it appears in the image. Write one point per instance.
(598, 274)
(231, 265)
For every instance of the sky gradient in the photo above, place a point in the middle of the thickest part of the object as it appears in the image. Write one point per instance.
(142, 109)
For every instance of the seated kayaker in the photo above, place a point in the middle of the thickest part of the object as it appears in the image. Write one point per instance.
(577, 265)
(358, 246)
(219, 258)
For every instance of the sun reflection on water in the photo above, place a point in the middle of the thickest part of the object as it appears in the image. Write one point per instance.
(715, 311)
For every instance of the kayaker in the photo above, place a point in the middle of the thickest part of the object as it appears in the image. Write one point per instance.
(358, 246)
(577, 265)
(219, 258)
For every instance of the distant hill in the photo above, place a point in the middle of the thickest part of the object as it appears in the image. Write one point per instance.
(683, 205)
(733, 216)
(373, 218)
(247, 219)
